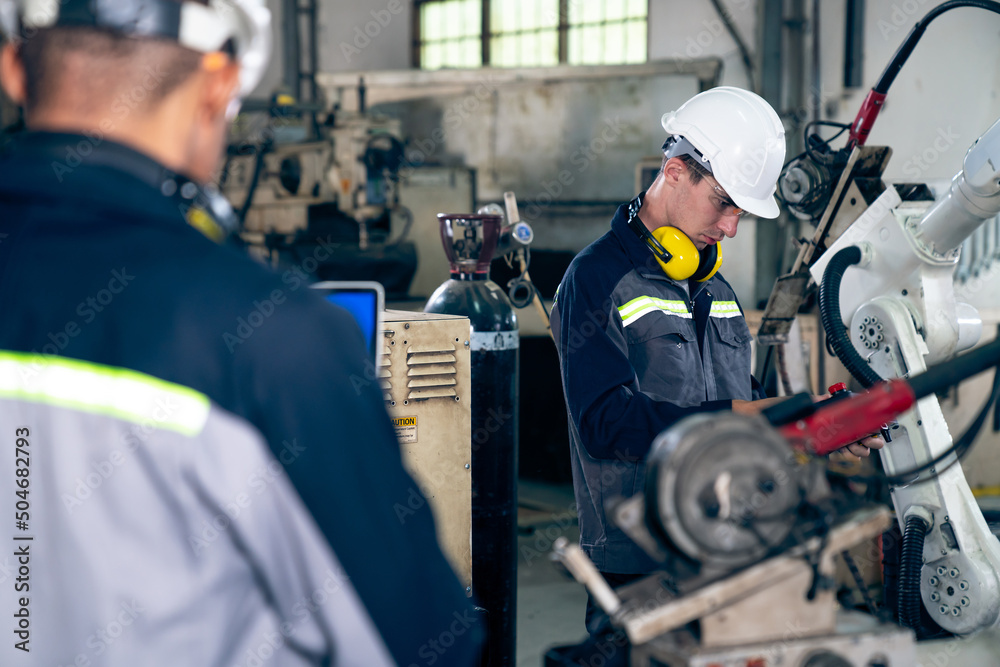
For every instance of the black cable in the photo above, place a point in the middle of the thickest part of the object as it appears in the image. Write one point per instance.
(906, 48)
(833, 325)
(829, 159)
(541, 300)
(829, 123)
(258, 167)
(910, 565)
(859, 581)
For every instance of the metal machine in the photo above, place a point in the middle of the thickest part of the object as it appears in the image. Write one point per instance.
(338, 191)
(745, 520)
(886, 271)
(889, 280)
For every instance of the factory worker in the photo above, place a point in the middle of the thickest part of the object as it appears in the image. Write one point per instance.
(206, 474)
(648, 331)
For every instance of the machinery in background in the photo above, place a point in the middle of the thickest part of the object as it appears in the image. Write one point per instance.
(834, 187)
(335, 205)
(885, 259)
(746, 521)
(888, 306)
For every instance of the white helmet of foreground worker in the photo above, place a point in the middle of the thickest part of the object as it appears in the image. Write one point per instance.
(741, 138)
(245, 25)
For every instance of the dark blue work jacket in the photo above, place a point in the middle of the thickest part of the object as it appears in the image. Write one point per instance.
(638, 351)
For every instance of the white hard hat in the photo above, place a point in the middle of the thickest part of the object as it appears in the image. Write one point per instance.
(743, 140)
(246, 24)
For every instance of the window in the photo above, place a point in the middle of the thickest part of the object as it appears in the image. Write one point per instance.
(524, 33)
(606, 32)
(529, 33)
(450, 33)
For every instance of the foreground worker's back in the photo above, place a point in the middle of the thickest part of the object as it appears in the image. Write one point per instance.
(210, 476)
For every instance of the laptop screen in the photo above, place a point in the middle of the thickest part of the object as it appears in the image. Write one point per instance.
(365, 300)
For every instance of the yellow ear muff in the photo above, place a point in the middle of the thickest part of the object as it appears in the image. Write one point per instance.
(685, 257)
(711, 260)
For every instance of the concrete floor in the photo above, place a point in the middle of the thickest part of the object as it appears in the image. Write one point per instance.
(550, 604)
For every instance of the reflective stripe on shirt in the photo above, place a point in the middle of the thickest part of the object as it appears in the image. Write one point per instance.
(725, 309)
(643, 305)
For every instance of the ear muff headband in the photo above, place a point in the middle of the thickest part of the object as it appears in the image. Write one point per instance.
(673, 250)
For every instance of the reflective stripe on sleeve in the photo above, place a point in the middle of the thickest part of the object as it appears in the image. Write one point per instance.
(643, 305)
(106, 390)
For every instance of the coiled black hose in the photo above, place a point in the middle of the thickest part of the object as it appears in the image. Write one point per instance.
(833, 325)
(910, 564)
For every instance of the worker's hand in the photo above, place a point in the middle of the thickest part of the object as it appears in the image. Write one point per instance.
(863, 447)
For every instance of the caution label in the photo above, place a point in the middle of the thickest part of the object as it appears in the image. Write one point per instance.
(406, 428)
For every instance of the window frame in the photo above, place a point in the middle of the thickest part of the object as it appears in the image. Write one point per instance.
(486, 36)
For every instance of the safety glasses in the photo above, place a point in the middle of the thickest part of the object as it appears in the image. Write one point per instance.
(724, 204)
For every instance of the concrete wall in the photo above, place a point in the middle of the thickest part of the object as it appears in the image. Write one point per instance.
(369, 35)
(680, 29)
(352, 35)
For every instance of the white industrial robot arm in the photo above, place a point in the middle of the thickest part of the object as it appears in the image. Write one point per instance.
(898, 303)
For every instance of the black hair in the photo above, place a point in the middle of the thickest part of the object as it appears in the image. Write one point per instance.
(124, 72)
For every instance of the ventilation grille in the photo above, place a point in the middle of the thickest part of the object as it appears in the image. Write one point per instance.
(430, 372)
(385, 373)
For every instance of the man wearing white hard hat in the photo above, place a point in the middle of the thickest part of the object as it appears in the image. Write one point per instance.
(648, 330)
(201, 472)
